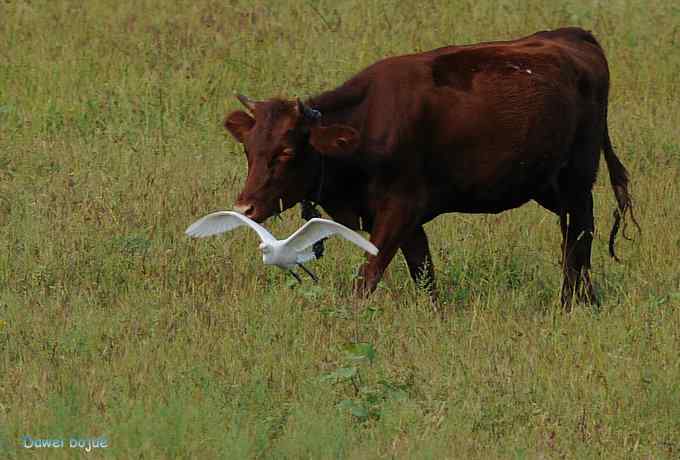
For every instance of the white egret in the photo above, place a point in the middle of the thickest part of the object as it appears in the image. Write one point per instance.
(293, 251)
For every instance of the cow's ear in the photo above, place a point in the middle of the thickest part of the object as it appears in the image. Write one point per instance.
(334, 140)
(238, 123)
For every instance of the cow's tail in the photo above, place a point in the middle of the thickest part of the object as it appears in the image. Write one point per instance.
(619, 179)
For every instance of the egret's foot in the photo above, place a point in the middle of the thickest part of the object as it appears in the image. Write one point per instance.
(309, 272)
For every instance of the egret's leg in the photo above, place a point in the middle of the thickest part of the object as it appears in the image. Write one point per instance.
(309, 272)
(295, 275)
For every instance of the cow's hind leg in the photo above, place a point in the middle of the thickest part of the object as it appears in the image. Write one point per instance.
(575, 201)
(416, 251)
(577, 250)
(577, 181)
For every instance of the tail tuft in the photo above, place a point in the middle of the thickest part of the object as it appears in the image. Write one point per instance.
(619, 180)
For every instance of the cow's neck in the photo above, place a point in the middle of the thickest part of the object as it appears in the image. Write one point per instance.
(340, 191)
(341, 104)
(341, 188)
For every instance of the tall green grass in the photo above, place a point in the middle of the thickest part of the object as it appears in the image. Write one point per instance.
(113, 323)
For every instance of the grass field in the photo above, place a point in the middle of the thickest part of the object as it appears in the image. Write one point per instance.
(113, 323)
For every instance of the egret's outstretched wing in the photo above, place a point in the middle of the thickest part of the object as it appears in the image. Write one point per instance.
(223, 221)
(317, 229)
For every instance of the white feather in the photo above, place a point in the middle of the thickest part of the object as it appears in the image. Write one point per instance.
(224, 221)
(294, 250)
(318, 229)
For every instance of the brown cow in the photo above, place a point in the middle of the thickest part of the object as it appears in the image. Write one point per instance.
(479, 129)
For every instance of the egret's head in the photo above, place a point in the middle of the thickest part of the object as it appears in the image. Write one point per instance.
(283, 141)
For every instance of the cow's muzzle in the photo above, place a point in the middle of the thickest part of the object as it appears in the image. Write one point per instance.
(245, 209)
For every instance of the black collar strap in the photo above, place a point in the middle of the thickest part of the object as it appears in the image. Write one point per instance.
(309, 210)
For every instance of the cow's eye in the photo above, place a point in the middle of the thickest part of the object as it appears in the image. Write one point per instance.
(288, 153)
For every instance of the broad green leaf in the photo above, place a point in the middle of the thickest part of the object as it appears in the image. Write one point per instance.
(356, 409)
(360, 350)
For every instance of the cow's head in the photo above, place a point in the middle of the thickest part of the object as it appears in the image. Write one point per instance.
(283, 141)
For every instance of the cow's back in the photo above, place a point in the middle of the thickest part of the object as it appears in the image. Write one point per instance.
(509, 114)
(460, 118)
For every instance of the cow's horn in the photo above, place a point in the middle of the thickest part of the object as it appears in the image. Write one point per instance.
(308, 112)
(246, 101)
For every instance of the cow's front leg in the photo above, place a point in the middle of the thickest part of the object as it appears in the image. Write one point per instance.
(390, 228)
(416, 251)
